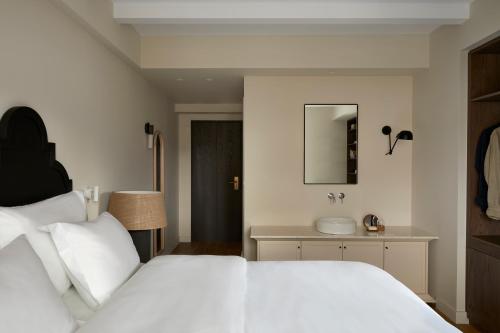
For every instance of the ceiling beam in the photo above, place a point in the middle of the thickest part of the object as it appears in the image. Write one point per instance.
(187, 12)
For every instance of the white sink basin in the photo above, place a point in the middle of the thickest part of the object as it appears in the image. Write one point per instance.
(336, 225)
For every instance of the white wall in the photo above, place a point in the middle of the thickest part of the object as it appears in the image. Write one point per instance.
(273, 151)
(435, 165)
(97, 17)
(439, 178)
(93, 103)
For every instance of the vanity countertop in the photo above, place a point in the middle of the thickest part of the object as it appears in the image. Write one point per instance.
(309, 232)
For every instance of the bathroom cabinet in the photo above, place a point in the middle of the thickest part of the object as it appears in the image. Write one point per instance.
(407, 262)
(280, 251)
(320, 250)
(366, 251)
(401, 251)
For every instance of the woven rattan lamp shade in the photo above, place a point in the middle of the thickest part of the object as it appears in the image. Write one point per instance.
(138, 210)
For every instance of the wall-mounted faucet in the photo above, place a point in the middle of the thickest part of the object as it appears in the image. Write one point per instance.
(333, 197)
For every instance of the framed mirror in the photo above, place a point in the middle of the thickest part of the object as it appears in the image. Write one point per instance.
(330, 144)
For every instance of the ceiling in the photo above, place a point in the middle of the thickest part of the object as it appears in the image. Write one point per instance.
(213, 86)
(297, 17)
(199, 85)
(279, 29)
(273, 17)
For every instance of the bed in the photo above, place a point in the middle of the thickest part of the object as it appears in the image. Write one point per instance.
(214, 293)
(230, 295)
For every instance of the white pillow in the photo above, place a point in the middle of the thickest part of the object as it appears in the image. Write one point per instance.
(28, 300)
(15, 221)
(99, 256)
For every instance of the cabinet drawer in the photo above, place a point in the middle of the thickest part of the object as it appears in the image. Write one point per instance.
(279, 250)
(368, 252)
(407, 262)
(321, 250)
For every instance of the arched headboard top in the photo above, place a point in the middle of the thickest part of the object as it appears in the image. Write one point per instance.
(29, 171)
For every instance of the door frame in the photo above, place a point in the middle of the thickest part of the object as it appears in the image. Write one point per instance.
(159, 161)
(185, 120)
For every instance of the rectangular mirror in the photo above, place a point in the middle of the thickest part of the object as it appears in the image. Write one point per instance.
(330, 144)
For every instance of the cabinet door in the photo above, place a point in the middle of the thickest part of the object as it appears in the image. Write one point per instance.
(407, 262)
(368, 252)
(321, 250)
(279, 250)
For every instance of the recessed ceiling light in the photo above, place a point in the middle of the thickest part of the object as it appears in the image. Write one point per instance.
(179, 79)
(209, 79)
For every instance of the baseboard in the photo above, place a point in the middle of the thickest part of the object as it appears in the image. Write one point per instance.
(458, 317)
(169, 248)
(446, 309)
(185, 238)
(462, 317)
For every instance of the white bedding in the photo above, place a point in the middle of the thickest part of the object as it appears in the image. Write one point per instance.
(322, 296)
(177, 294)
(77, 306)
(209, 294)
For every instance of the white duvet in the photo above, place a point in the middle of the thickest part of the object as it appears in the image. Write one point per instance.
(212, 294)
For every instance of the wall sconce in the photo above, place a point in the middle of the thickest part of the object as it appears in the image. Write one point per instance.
(150, 130)
(91, 193)
(403, 135)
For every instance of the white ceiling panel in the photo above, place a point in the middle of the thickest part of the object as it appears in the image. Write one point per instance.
(280, 29)
(212, 86)
(245, 17)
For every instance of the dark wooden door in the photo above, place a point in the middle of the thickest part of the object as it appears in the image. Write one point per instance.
(216, 202)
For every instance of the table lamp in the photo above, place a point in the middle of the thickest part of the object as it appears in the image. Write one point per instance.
(143, 214)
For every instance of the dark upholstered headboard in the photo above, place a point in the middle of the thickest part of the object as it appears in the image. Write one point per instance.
(29, 171)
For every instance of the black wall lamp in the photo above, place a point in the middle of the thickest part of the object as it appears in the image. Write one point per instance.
(150, 130)
(403, 135)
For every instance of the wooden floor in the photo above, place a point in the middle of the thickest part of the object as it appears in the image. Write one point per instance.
(234, 249)
(461, 327)
(467, 329)
(216, 249)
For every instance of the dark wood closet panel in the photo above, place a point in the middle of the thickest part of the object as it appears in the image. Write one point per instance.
(483, 233)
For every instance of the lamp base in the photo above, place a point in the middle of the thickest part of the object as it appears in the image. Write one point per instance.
(148, 243)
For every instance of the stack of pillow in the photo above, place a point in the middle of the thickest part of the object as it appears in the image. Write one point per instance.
(48, 246)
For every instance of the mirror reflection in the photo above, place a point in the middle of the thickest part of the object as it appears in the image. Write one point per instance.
(330, 144)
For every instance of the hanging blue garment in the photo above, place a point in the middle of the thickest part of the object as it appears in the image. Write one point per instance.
(481, 149)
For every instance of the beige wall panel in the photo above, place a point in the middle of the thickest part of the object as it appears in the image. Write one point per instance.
(273, 151)
(352, 51)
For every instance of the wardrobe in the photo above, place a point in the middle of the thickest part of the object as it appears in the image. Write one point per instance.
(483, 233)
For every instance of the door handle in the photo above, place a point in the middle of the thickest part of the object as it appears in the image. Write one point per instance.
(236, 183)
